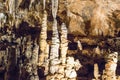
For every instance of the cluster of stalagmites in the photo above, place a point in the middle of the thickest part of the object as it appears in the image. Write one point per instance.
(110, 67)
(109, 73)
(57, 65)
(65, 71)
(14, 49)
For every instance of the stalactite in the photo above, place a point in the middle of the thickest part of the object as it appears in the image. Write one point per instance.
(3, 19)
(17, 4)
(26, 58)
(11, 6)
(110, 67)
(31, 3)
(64, 43)
(79, 45)
(54, 8)
(44, 2)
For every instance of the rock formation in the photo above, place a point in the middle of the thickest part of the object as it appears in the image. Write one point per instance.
(59, 39)
(110, 67)
(43, 37)
(64, 43)
(96, 72)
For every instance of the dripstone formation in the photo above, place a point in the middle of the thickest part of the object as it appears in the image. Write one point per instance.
(59, 40)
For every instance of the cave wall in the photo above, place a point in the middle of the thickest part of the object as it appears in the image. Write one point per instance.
(92, 34)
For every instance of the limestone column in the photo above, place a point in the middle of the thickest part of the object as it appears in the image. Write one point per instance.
(54, 53)
(64, 43)
(43, 37)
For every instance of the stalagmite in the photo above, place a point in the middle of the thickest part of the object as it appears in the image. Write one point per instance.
(64, 43)
(55, 37)
(55, 42)
(96, 72)
(46, 62)
(110, 67)
(97, 50)
(34, 36)
(30, 62)
(71, 67)
(27, 64)
(44, 46)
(47, 52)
(43, 37)
(33, 61)
(46, 65)
(28, 52)
(54, 53)
(3, 58)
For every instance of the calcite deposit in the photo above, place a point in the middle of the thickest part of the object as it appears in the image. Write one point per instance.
(59, 39)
